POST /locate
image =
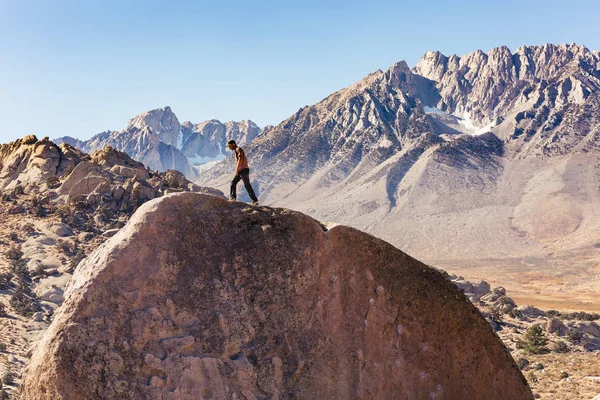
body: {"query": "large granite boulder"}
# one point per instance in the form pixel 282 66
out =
pixel 199 298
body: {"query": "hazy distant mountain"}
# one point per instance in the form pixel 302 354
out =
pixel 157 139
pixel 483 156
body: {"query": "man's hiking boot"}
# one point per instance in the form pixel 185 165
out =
pixel 255 203
pixel 233 199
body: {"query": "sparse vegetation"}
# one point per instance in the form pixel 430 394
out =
pixel 37 207
pixel 75 260
pixel 19 268
pixel 578 315
pixel 23 300
pixel 14 253
pixel 14 236
pixel 18 190
pixel 534 341
pixel 496 314
pixel 2 310
pixel 172 182
pixel 68 247
pixel 573 335
pixel 2 347
pixel 5 280
pixel 560 347
pixel 136 198
pixel 53 182
pixel 29 229
pixel 8 378
pixel 105 212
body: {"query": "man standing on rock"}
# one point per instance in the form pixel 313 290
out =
pixel 242 172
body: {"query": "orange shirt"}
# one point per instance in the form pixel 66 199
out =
pixel 242 161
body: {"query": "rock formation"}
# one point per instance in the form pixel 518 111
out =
pixel 65 174
pixel 201 298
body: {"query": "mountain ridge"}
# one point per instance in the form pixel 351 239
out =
pixel 159 140
pixel 455 165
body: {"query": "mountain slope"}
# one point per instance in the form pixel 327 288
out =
pixel 508 170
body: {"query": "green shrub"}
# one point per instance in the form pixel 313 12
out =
pixel 8 378
pixel 3 347
pixel 534 341
pixel 19 268
pixel 136 198
pixel 29 229
pixel 105 212
pixel 5 278
pixel 39 211
pixel 573 335
pixel 18 190
pixel 14 253
pixel 561 347
pixel 2 310
pixel 79 256
pixel 14 236
pixel 496 314
pixel 22 301
pixel 53 182
pixel 68 247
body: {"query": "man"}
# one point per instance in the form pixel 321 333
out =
pixel 242 172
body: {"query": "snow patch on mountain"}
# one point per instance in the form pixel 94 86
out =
pixel 469 126
pixel 180 139
pixel 385 143
pixel 196 161
pixel 433 110
pixel 204 167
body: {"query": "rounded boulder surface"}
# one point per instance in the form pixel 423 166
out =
pixel 197 297
pixel 59 229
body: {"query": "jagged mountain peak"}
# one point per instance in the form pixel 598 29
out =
pixel 162 121
pixel 486 86
pixel 433 62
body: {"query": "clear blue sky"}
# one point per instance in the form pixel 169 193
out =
pixel 83 66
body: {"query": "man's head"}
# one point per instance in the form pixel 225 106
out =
pixel 231 144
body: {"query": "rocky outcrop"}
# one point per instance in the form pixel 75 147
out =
pixel 30 162
pixel 198 297
pixel 66 175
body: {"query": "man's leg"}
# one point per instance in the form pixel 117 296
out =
pixel 232 190
pixel 245 174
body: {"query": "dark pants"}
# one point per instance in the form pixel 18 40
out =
pixel 243 175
